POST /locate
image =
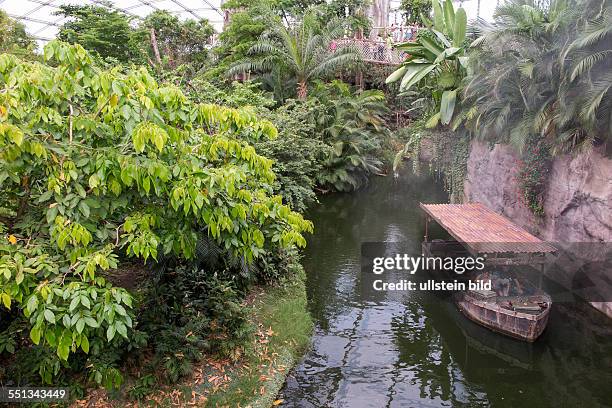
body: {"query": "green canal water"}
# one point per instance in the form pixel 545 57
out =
pixel 417 350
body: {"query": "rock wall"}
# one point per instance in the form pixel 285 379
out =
pixel 577 202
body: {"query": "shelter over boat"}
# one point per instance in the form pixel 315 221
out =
pixel 481 231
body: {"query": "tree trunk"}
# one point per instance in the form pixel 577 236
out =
pixel 302 90
pixel 379 16
pixel 154 45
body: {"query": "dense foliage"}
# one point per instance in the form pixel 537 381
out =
pixel 13 37
pixel 100 29
pixel 337 129
pixel 544 71
pixel 98 166
pixel 436 61
pixel 160 40
pixel 415 10
pixel 536 77
pixel 170 42
pixel 144 194
pixel 352 123
pixel 301 52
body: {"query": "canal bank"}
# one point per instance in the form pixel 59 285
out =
pixel 417 349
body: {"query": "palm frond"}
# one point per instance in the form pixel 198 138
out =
pixel 587 63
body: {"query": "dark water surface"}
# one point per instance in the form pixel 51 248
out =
pixel 418 350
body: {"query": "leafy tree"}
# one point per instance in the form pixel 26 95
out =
pixel 97 166
pixel 248 21
pixel 353 12
pixel 171 42
pixel 299 153
pixel 351 124
pixel 13 37
pixel 437 60
pixel 101 30
pixel 296 168
pixel 303 51
pixel 415 10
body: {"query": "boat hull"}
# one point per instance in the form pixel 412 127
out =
pixel 522 326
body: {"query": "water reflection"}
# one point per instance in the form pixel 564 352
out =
pixel 417 350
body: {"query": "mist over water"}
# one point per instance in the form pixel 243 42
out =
pixel 416 349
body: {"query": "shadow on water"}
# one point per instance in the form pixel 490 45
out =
pixel 418 350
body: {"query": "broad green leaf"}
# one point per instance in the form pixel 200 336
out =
pixel 420 74
pixel 85 344
pixel 80 324
pixel 80 190
pixel 110 332
pixel 338 147
pixel 84 208
pixel 75 302
pixel 460 27
pixel 16 136
pixel 45 196
pixel 449 52
pixel 438 15
pixel 94 181
pixel 449 16
pixel 121 329
pixel 447 106
pixel 32 303
pixel 413 69
pixel 443 39
pixel 63 349
pixel 91 322
pixel 396 75
pixel 120 310
pixel 433 121
pixel 35 334
pixel 431 46
pixel 85 301
pixel 49 316
pixel 158 139
pixel 6 300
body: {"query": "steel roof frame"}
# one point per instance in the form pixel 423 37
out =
pixel 41 4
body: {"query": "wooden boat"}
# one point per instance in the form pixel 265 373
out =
pixel 520 315
pixel 514 306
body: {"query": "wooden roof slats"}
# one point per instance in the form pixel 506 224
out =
pixel 483 230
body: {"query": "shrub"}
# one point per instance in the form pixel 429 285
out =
pixel 533 174
pixel 97 166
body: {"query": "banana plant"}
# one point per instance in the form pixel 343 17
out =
pixel 437 58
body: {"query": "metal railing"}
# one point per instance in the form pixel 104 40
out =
pixel 381 52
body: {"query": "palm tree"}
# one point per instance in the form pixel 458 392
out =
pixel 512 92
pixel 543 70
pixel 305 51
pixel 585 97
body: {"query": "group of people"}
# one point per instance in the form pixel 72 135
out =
pixel 394 34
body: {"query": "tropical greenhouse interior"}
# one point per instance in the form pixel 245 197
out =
pixel 191 192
